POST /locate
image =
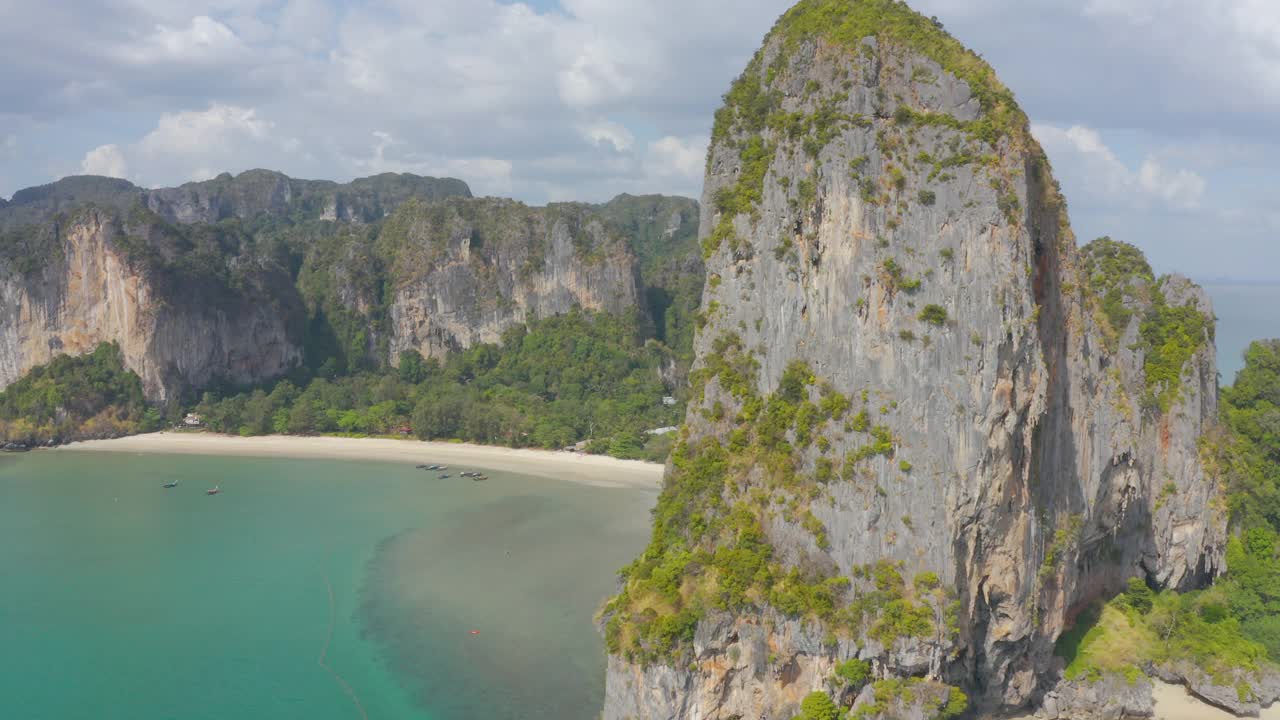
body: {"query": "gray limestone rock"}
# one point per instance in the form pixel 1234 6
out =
pixel 1109 698
pixel 465 271
pixel 1029 469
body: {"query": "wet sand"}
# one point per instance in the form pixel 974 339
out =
pixel 595 470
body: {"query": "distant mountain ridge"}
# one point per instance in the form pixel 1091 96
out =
pixel 250 193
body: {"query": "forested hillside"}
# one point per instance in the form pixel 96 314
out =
pixel 549 384
pixel 280 305
pixel 74 398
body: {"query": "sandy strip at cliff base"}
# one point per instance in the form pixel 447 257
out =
pixel 1173 702
pixel 585 469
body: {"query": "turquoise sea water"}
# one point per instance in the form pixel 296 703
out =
pixel 119 599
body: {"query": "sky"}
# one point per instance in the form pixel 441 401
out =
pixel 1159 116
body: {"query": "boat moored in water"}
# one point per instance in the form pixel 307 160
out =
pixel 214 491
pixel 171 484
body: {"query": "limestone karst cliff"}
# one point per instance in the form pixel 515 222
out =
pixel 194 283
pixel 925 428
pixel 442 277
pixel 213 310
pixel 485 267
pixel 238 280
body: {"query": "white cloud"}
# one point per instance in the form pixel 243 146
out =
pixel 566 99
pixel 307 23
pixel 193 145
pixel 586 98
pixel 486 175
pixel 1178 188
pixel 202 40
pixel 105 160
pixel 196 145
pixel 680 159
pixel 184 131
pixel 593 78
pixel 1080 155
pixel 604 131
pixel 1228 46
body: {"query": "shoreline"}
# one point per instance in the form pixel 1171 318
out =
pixel 593 470
pixel 1175 702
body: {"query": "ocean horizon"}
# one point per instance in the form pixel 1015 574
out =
pixel 1247 311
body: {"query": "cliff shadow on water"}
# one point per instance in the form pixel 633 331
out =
pixel 524 569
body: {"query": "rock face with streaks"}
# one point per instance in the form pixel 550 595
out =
pixel 240 279
pixel 193 282
pixel 928 431
pixel 177 327
pixel 466 270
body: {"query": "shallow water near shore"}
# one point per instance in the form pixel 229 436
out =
pixel 308 588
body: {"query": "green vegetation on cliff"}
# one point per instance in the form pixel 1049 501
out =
pixel 580 376
pixel 1171 336
pixel 709 550
pixel 895 696
pixel 663 233
pixel 89 396
pixel 1120 286
pixel 1111 269
pixel 848 23
pixel 1251 409
pixel 283 245
pixel 892 698
pixel 1231 629
pixel 754 124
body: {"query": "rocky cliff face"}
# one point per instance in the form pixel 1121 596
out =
pixel 663 232
pixel 240 279
pixel 87 260
pixel 466 270
pixel 921 442
pixel 88 290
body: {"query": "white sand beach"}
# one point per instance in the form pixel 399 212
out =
pixel 593 470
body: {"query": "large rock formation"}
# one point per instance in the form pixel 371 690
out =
pixel 88 260
pixel 237 280
pixel 179 324
pixel 924 431
pixel 466 270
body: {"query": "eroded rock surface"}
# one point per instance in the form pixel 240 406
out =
pixel 876 209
